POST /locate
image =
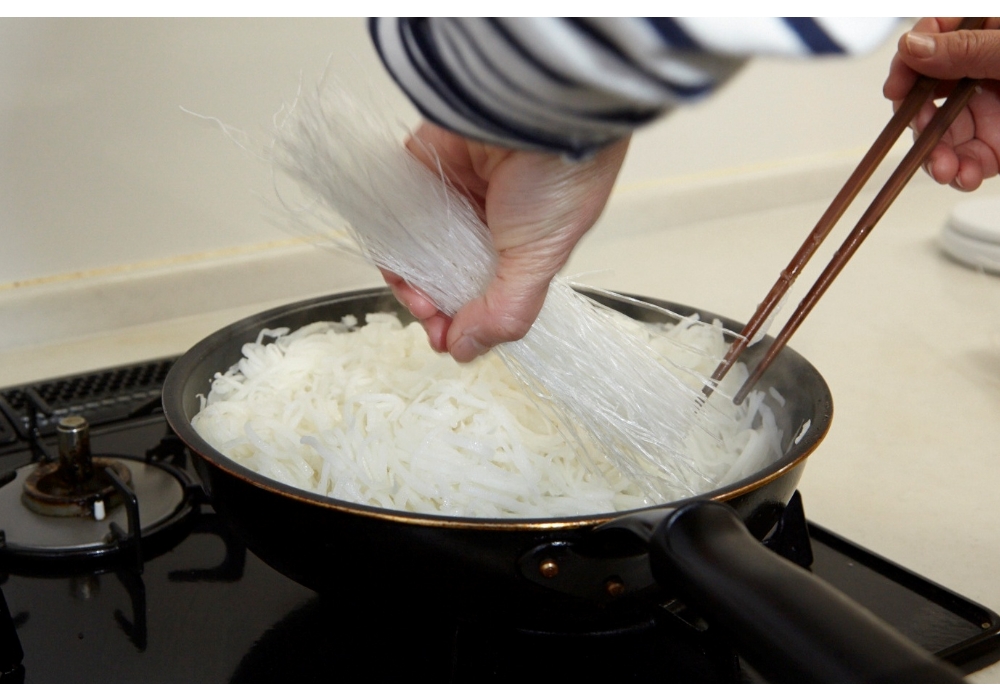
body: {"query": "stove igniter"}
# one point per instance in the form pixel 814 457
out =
pixel 78 484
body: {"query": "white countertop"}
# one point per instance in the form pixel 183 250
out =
pixel 908 341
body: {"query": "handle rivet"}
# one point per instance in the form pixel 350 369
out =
pixel 614 587
pixel 548 568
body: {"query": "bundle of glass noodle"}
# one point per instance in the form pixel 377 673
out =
pixel 592 367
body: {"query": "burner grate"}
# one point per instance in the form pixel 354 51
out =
pixel 7 433
pixel 100 397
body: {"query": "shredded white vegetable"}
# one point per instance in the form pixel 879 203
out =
pixel 371 415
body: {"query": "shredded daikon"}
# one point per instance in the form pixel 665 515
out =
pixel 371 415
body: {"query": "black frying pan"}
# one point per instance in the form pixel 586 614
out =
pixel 588 571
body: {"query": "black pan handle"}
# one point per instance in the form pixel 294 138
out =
pixel 789 624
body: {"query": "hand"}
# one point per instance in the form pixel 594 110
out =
pixel 970 151
pixel 537 207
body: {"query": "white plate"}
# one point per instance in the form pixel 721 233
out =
pixel 972 234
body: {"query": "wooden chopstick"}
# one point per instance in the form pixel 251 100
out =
pixel 894 185
pixel 875 155
pixel 918 95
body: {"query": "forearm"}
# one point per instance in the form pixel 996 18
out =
pixel 575 85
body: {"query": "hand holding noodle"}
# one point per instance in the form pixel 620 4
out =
pixel 536 205
pixel 970 150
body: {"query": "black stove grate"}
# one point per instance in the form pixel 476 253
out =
pixel 100 397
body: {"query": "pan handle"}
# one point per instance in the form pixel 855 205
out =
pixel 789 624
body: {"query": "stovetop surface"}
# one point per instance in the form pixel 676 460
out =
pixel 208 611
pixel 201 608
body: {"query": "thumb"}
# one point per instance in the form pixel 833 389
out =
pixel 506 310
pixel 952 55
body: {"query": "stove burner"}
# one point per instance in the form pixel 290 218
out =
pixel 94 489
pixel 48 492
pixel 159 492
pixel 78 484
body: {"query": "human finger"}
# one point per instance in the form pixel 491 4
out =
pixel 413 299
pixel 977 162
pixel 942 164
pixel 952 55
pixel 901 77
pixel 434 322
pixel 452 156
pixel 436 327
pixel 960 142
pixel 899 82
pixel 965 167
pixel 503 314
pixel 902 72
pixel 969 175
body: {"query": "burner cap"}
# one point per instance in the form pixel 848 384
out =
pixel 76 484
pixel 47 491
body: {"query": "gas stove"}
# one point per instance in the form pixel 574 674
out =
pixel 130 576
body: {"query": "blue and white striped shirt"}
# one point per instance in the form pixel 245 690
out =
pixel 574 85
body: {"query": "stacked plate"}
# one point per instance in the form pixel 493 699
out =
pixel 972 234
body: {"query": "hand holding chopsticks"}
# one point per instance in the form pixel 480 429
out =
pixel 925 143
pixel 970 151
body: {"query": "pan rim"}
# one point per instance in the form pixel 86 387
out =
pixel 180 423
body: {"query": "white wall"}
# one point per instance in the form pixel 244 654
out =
pixel 100 168
pixel 772 113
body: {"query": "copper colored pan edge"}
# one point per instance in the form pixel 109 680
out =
pixel 180 422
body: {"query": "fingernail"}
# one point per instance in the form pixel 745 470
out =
pixel 467 349
pixel 921 45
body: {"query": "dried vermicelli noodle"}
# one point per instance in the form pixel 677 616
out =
pixel 370 414
pixel 591 368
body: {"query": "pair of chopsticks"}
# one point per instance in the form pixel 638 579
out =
pixel 922 90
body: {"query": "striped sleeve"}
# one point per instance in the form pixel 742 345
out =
pixel 574 85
